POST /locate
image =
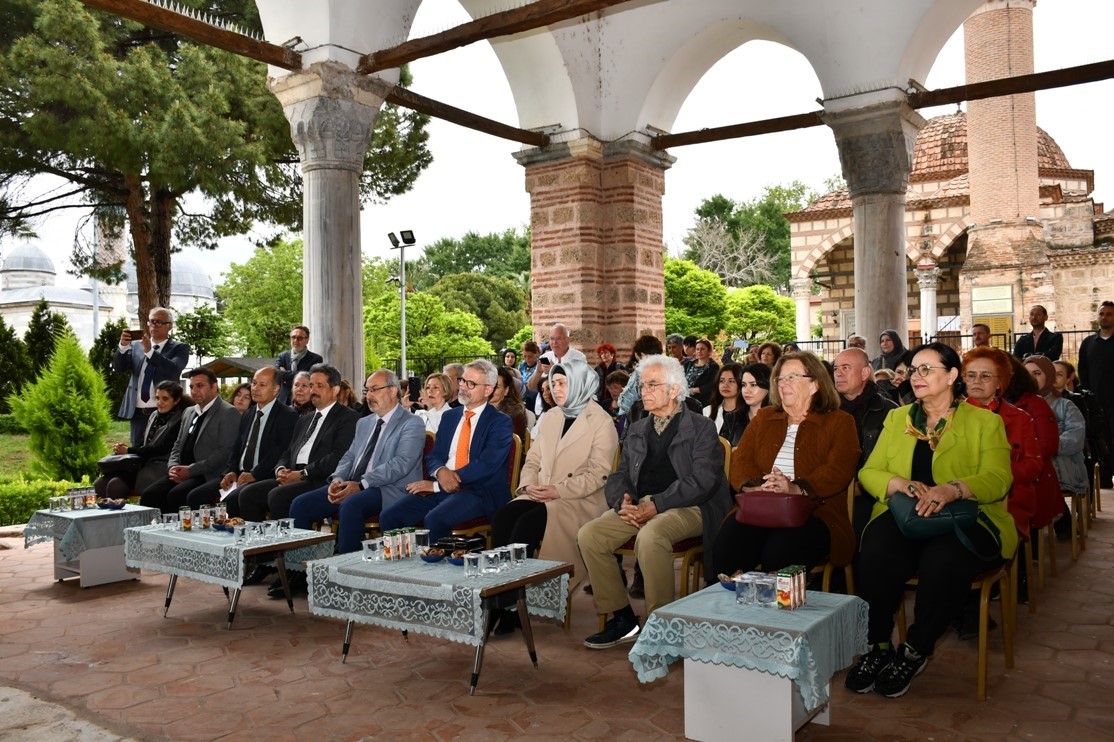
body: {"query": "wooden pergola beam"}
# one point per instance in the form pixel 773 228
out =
pixel 976 91
pixel 167 20
pixel 526 18
pixel 409 99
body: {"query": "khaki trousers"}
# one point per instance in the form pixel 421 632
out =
pixel 653 547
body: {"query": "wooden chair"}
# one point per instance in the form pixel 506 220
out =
pixel 1096 492
pixel 1005 576
pixel 1079 511
pixel 826 568
pixel 481 525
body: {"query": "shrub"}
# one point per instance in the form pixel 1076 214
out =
pixel 10 426
pixel 66 414
pixel 21 497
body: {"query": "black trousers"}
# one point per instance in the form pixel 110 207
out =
pixel 520 521
pixel 168 496
pixel 944 568
pixel 738 547
pixel 258 499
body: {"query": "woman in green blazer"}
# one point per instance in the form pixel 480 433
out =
pixel 937 451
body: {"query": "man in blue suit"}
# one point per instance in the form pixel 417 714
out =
pixel 468 462
pixel 290 362
pixel 152 358
pixel 384 457
pixel 265 432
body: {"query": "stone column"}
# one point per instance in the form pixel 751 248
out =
pixel 876 154
pixel 928 278
pixel 332 111
pixel 595 219
pixel 801 289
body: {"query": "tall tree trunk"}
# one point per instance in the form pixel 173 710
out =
pixel 162 227
pixel 135 203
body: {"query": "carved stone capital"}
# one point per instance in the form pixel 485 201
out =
pixel 875 146
pixel 332 113
pixel 928 277
pixel 800 288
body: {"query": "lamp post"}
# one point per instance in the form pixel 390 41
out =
pixel 407 239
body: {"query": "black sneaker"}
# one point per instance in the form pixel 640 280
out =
pixel 615 631
pixel 895 679
pixel 862 676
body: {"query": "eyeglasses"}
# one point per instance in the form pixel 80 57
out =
pixel 470 385
pixel 298 337
pixel 972 376
pixel 373 389
pixel 790 378
pixel 159 322
pixel 651 386
pixel 924 369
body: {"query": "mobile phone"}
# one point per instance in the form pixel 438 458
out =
pixel 136 334
pixel 414 389
pixel 544 361
pixel 741 344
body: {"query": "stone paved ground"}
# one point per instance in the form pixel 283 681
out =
pixel 106 658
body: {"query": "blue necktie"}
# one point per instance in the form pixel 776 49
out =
pixel 148 377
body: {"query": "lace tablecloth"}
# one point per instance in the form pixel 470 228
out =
pixel 212 556
pixel 807 645
pixel 80 530
pixel 434 599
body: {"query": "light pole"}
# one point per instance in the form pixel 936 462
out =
pixel 407 239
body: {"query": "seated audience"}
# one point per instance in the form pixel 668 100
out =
pixel 892 349
pixel 158 439
pixel 438 388
pixel 241 397
pixel 740 392
pixel 300 393
pixel 768 353
pixel 700 372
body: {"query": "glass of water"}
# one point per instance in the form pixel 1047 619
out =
pixel 285 527
pixel 490 561
pixel 765 591
pixel 744 589
pixel 472 567
pixel 518 554
pixel 373 550
pixel 505 560
pixel 240 533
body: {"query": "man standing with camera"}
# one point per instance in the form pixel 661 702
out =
pixel 151 356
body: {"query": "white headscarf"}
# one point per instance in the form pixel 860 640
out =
pixel 583 384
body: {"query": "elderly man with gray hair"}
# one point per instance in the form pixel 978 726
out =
pixel 669 486
pixel 468 463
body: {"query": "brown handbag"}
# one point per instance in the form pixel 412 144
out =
pixel 773 509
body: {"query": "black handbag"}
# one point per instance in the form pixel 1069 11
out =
pixel 120 463
pixel 955 517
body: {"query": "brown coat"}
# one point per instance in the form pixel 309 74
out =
pixel 824 462
pixel 577 464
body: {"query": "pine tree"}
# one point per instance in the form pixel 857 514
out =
pixel 43 333
pixel 15 366
pixel 101 355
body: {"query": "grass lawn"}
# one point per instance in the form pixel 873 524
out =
pixel 16 456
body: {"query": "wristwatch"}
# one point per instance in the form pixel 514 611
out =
pixel 304 475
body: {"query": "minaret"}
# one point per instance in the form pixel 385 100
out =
pixel 1006 247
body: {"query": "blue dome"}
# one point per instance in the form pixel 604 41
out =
pixel 27 257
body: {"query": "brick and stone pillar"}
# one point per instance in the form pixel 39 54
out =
pixel 595 220
pixel 1006 246
pixel 332 111
pixel 801 289
pixel 928 278
pixel 876 154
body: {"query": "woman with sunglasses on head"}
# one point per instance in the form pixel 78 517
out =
pixel 936 451
pixel 802 444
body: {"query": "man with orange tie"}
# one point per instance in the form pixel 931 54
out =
pixel 468 463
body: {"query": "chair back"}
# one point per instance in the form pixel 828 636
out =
pixel 430 438
pixel 726 457
pixel 514 464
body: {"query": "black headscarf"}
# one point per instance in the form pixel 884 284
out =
pixel 889 360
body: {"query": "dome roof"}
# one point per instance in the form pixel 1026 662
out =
pixel 941 149
pixel 28 257
pixel 187 278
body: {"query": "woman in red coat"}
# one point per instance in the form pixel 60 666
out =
pixel 1022 391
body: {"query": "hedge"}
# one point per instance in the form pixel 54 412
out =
pixel 21 497
pixel 10 426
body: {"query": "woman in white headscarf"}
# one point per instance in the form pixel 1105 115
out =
pixel 561 486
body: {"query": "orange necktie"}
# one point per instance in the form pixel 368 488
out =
pixel 462 443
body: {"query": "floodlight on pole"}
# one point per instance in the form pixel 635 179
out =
pixel 407 239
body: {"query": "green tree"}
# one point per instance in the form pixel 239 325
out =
pixel 101 355
pixel 261 299
pixel 760 221
pixel 136 119
pixel 432 331
pixel 205 330
pixel 520 337
pixel 757 314
pixel 496 301
pixel 695 299
pixel 506 255
pixel 15 366
pixel 66 414
pixel 44 330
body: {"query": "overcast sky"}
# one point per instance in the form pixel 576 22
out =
pixel 475 184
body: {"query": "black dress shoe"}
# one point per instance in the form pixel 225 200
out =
pixel 506 622
pixel 298 586
pixel 259 574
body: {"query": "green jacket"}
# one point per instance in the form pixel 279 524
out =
pixel 974 450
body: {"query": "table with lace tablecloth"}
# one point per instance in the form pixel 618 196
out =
pixel 87 543
pixel 215 557
pixel 778 662
pixel 435 599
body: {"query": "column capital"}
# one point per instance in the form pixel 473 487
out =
pixel 592 148
pixel 928 276
pixel 332 112
pixel 875 146
pixel 800 288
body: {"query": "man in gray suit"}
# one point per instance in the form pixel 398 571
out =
pixel 152 358
pixel 208 435
pixel 385 456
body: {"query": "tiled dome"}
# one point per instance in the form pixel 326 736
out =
pixel 942 148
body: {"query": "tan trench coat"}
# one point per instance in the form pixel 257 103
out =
pixel 578 465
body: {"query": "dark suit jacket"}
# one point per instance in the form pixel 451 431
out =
pixel 168 360
pixel 215 440
pixel 274 439
pixel 287 372
pixel 1050 345
pixel 333 439
pixel 485 476
pixel 398 455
